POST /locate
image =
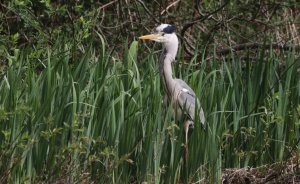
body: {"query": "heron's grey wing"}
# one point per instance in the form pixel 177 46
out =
pixel 183 84
pixel 187 102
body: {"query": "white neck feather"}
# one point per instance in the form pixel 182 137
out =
pixel 171 45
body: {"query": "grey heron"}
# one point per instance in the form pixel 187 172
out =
pixel 178 93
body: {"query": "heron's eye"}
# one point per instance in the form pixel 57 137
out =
pixel 163 34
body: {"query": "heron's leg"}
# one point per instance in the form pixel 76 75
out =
pixel 186 132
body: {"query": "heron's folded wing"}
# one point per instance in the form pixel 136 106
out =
pixel 184 85
pixel 187 102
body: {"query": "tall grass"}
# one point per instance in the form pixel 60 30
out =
pixel 99 117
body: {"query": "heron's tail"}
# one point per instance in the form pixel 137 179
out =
pixel 202 119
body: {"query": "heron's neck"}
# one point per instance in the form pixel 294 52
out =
pixel 165 70
pixel 171 48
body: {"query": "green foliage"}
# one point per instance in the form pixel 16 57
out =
pixel 99 117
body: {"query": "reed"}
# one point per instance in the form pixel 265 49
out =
pixel 99 117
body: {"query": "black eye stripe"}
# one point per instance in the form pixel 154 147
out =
pixel 169 29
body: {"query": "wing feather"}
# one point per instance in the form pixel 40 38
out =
pixel 187 102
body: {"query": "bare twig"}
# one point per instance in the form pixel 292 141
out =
pixel 108 4
pixel 148 11
pixel 168 7
pixel 255 46
pixel 201 18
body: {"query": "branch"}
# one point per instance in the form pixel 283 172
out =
pixel 255 46
pixel 107 4
pixel 200 18
pixel 148 11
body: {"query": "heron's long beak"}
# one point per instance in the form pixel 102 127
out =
pixel 150 37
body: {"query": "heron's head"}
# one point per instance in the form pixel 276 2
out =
pixel 165 33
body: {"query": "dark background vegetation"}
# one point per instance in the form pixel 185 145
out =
pixel 220 26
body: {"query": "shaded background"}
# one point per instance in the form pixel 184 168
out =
pixel 217 26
